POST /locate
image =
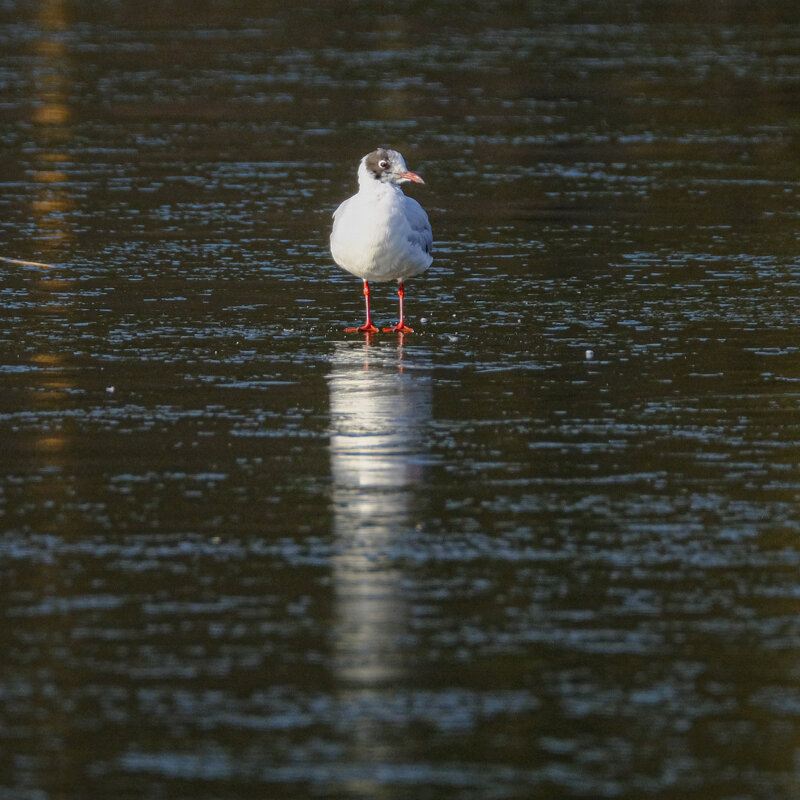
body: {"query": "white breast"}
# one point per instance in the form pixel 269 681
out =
pixel 382 235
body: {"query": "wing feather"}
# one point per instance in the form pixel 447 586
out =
pixel 420 233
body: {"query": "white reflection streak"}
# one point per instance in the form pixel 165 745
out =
pixel 380 407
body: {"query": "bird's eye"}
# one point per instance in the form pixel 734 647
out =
pixel 384 165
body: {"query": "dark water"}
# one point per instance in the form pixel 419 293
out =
pixel 545 547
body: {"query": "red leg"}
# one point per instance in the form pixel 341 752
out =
pixel 367 327
pixel 401 326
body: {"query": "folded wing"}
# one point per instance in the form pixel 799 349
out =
pixel 420 234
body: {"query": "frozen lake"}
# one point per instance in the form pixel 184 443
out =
pixel 546 546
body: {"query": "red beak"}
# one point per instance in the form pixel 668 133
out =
pixel 412 176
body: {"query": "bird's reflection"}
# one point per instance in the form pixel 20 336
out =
pixel 380 399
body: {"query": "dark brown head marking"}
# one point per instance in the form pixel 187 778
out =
pixel 378 162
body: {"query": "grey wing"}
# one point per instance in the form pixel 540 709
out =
pixel 420 233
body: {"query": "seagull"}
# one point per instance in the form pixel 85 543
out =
pixel 380 234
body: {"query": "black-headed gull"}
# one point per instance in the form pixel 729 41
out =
pixel 380 234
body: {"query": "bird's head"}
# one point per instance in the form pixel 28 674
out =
pixel 386 166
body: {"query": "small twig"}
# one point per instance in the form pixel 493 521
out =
pixel 21 262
